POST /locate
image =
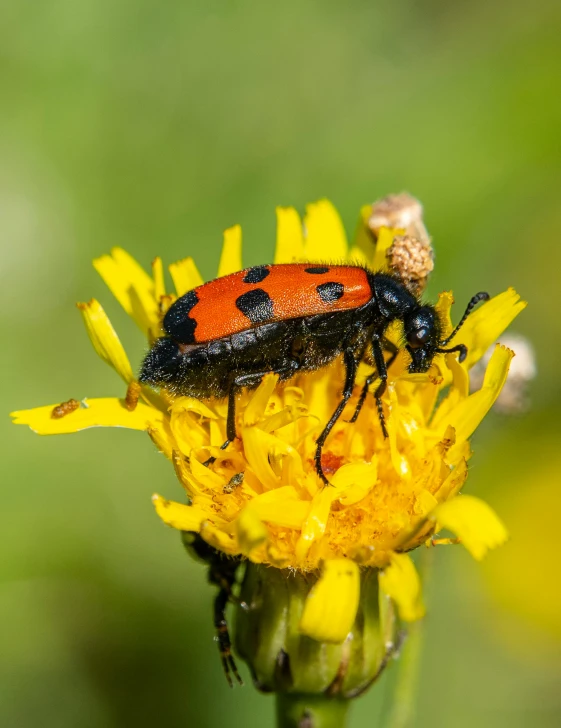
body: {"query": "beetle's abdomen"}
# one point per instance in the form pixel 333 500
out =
pixel 205 370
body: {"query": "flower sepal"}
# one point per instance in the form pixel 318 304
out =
pixel 269 635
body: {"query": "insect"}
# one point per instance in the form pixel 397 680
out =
pixel 225 335
pixel 65 408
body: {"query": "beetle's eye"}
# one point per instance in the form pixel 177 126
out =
pixel 418 338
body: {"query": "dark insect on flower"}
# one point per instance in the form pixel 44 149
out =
pixel 225 335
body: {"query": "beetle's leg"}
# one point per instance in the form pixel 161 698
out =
pixel 248 380
pixel 223 636
pixel 390 347
pixel 387 346
pixel 231 416
pixel 230 422
pixel 351 367
pixel 221 573
pixel 383 374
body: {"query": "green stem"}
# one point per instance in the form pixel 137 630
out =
pixel 310 711
pixel 402 711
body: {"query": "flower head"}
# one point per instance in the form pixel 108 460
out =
pixel 261 498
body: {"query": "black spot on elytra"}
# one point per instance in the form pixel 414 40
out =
pixel 256 305
pixel 318 270
pixel 257 274
pixel 331 291
pixel 177 323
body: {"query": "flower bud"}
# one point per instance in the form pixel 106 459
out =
pixel 281 658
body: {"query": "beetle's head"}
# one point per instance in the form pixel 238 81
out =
pixel 422 336
pixel 422 330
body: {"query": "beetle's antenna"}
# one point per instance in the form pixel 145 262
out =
pixel 462 348
pixel 482 296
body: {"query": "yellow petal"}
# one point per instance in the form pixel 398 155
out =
pixel 178 515
pixel 458 392
pixel 454 482
pixel 231 258
pixel 219 539
pixel 364 244
pixel 261 449
pixel 444 311
pixel 331 606
pixel 189 404
pixel 354 481
pixel 316 522
pixel 250 530
pixel 163 439
pixel 401 582
pixel 104 412
pixel 205 476
pixel 185 275
pixel 325 235
pixel 474 521
pixel 281 507
pixel 104 339
pixel 131 286
pixel 487 323
pixel 468 414
pixel 256 406
pixel 158 275
pixel 290 236
pixel 383 244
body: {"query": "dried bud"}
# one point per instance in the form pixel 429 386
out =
pixel 399 211
pixel 513 398
pixel 413 260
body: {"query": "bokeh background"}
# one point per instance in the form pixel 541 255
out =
pixel 156 125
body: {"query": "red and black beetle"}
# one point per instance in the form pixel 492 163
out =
pixel 227 334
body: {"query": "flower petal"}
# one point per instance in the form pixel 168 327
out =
pixel 206 477
pixel 163 439
pixel 281 507
pixel 466 416
pixel 383 244
pixel 316 522
pixel 261 448
pixel 400 580
pixel 290 236
pixel 104 338
pixel 178 515
pixel 185 275
pixel 158 276
pixel 131 286
pixel 474 521
pixel 484 325
pixel 363 247
pixel 325 235
pixel 103 412
pixel 250 530
pixel 354 481
pixel 444 311
pixel 255 408
pixel 231 258
pixel 331 606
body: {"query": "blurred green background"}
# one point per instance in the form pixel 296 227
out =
pixel 156 125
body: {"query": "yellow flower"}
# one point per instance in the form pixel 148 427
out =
pixel 388 496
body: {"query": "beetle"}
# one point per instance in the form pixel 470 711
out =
pixel 225 335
